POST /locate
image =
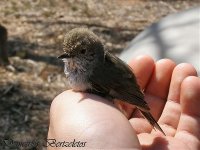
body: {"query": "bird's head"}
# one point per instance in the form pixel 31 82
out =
pixel 82 49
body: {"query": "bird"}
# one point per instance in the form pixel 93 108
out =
pixel 89 67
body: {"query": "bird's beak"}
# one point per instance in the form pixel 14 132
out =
pixel 65 55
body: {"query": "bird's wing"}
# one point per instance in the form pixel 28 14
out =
pixel 115 78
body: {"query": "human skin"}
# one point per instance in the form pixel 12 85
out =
pixel 172 92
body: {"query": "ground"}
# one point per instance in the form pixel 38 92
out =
pixel 35 34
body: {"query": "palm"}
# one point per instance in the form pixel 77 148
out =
pixel 177 137
pixel 170 102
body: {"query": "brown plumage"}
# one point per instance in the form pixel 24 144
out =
pixel 100 72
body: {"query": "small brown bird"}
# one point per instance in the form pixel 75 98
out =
pixel 89 68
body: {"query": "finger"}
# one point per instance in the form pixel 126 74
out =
pixel 180 73
pixel 158 87
pixel 155 94
pixel 143 68
pixel 89 118
pixel 189 125
pixel 125 108
pixel 171 113
pixel 156 142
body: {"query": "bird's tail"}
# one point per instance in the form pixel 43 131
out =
pixel 152 121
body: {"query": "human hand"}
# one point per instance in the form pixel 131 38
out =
pixel 172 93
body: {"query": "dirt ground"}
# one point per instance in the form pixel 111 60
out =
pixel 35 34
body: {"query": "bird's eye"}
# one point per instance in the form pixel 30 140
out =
pixel 83 51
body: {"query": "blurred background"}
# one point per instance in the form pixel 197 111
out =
pixel 31 35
